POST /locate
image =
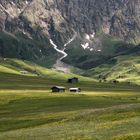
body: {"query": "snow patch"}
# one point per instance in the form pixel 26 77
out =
pixel 87 37
pixel 70 40
pixel 92 35
pixel 59 64
pixel 12 3
pixel 26 2
pixel 99 50
pixel 91 49
pixel 89 42
pixel 60 51
pixel 85 46
pixel 63 50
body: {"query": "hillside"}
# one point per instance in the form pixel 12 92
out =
pixel 69 69
pixel 123 68
pixel 29 110
pixel 29 69
pixel 85 30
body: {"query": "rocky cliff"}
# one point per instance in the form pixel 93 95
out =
pixel 29 24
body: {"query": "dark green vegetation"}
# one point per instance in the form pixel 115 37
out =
pixel 29 111
pixel 39 50
pixel 123 68
pixel 86 59
pixel 114 52
pixel 20 46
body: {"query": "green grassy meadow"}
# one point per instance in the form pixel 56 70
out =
pixel 125 68
pixel 30 111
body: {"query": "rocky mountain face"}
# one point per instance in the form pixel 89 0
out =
pixel 27 26
pixel 120 18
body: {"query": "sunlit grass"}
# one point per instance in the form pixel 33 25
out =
pixel 125 69
pixel 102 111
pixel 40 114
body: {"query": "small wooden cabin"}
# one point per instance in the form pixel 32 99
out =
pixel 58 89
pixel 115 81
pixel 24 72
pixel 75 89
pixel 73 80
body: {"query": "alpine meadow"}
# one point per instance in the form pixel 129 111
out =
pixel 69 69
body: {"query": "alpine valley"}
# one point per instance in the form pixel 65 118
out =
pixel 69 69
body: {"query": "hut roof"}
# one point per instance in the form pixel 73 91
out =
pixel 77 88
pixel 73 78
pixel 59 87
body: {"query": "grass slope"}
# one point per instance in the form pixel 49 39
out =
pixel 41 115
pixel 16 66
pixel 124 68
pixel 29 111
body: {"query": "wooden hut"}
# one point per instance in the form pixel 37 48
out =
pixel 73 80
pixel 75 89
pixel 58 89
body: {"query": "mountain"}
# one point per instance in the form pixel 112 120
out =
pixel 82 33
